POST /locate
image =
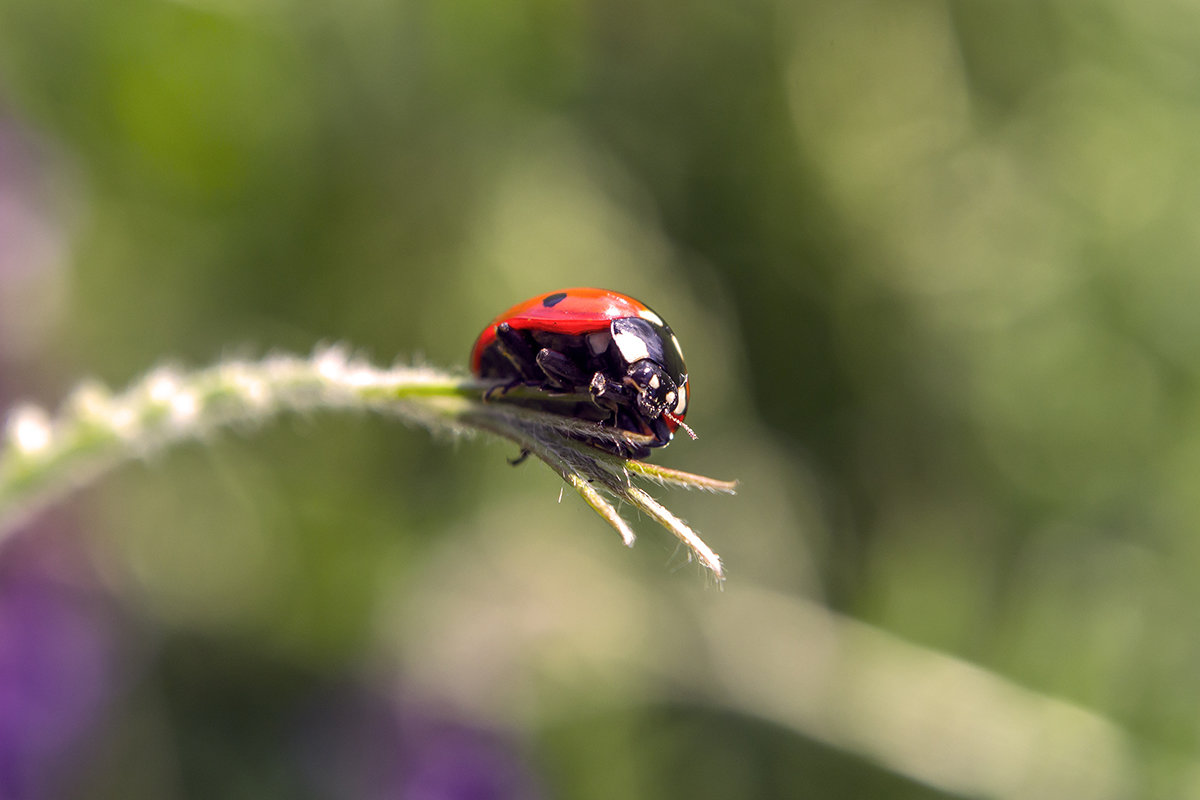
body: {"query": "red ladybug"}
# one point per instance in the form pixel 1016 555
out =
pixel 595 342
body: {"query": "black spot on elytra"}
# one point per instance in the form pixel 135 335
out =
pixel 554 299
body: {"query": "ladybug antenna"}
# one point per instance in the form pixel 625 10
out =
pixel 681 424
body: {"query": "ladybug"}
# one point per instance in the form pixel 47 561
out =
pixel 608 347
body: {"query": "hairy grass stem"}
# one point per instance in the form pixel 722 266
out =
pixel 44 456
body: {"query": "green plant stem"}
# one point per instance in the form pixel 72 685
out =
pixel 44 457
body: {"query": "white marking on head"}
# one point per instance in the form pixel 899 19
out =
pixel 654 382
pixel 631 347
pixel 681 404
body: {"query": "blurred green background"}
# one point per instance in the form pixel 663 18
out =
pixel 935 267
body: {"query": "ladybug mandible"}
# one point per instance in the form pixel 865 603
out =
pixel 594 342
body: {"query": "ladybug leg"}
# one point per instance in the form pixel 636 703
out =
pixel 630 422
pixel 613 397
pixel 516 350
pixel 607 392
pixel 560 369
pixel 660 432
pixel 637 452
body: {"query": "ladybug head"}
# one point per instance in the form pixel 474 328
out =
pixel 658 394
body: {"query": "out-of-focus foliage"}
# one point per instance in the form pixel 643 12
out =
pixel 934 266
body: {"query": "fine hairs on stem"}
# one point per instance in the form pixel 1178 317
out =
pixel 44 456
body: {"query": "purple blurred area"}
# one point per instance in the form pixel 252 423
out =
pixel 358 744
pixel 450 762
pixel 57 662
